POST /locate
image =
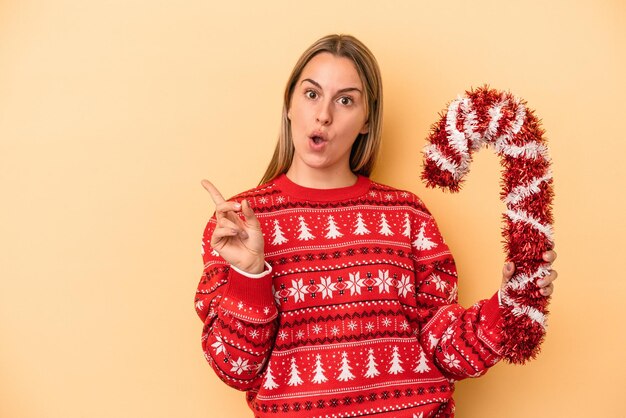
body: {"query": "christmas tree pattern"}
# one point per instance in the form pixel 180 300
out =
pixel 372 371
pixel 407 226
pixel 294 374
pixel 269 383
pixel 332 230
pixel 279 238
pixel 422 242
pixel 384 226
pixel 305 232
pixel 396 363
pixel 345 368
pixel 319 371
pixel 359 226
pixel 422 364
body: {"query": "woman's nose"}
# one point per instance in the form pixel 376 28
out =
pixel 324 114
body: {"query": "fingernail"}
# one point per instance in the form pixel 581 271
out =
pixel 237 205
pixel 509 266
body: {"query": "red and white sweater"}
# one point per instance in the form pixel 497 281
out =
pixel 356 315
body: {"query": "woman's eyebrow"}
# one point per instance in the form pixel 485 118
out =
pixel 316 84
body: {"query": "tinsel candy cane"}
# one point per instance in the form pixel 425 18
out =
pixel 498 119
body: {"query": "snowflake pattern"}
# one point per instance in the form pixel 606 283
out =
pixel 254 333
pixel 218 345
pixel 355 283
pixel 334 331
pixel 298 290
pixel 386 322
pixel 317 328
pixel 383 281
pixel 329 287
pixel 283 335
pixel 451 361
pixel 326 287
pixel 369 326
pixel 239 366
pixel 352 325
pixel 404 285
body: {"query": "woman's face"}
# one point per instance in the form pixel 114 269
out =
pixel 327 113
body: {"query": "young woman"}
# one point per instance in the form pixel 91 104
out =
pixel 326 294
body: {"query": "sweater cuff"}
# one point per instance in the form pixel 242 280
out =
pixel 268 270
pixel 250 298
pixel 490 331
pixel 490 311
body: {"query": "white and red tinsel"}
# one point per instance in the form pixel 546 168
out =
pixel 498 119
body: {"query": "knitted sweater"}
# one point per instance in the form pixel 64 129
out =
pixel 357 312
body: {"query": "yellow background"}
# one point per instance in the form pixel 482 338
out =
pixel 112 111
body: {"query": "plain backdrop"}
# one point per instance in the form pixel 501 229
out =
pixel 111 112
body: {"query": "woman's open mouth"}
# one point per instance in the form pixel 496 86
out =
pixel 317 139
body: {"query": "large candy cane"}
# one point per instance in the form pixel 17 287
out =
pixel 490 117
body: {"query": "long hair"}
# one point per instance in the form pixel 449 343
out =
pixel 365 149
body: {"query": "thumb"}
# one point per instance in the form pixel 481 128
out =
pixel 507 271
pixel 248 213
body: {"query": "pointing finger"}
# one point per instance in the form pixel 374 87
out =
pixel 215 194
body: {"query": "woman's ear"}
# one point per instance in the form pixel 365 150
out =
pixel 365 129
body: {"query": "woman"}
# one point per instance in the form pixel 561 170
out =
pixel 327 294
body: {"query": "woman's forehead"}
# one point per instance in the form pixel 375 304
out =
pixel 331 71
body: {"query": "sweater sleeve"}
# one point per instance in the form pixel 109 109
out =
pixel 462 342
pixel 239 316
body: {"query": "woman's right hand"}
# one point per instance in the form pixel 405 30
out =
pixel 239 242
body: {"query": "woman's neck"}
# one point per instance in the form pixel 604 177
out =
pixel 321 179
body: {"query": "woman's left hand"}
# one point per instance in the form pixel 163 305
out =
pixel 546 287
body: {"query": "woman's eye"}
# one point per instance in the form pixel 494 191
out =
pixel 311 94
pixel 345 101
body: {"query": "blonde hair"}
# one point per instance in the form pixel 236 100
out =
pixel 365 149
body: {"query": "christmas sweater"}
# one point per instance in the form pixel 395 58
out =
pixel 357 312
